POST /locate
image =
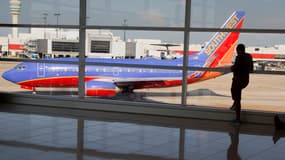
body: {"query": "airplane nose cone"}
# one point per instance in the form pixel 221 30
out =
pixel 8 75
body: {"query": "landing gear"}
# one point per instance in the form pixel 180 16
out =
pixel 128 92
pixel 128 89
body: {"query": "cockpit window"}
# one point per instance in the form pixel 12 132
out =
pixel 20 67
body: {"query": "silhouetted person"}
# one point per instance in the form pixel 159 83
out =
pixel 232 152
pixel 278 123
pixel 277 135
pixel 242 67
pixel 279 129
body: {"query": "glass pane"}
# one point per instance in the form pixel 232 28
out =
pixel 133 83
pixel 40 12
pixel 136 12
pixel 216 92
pixel 268 14
pixel 145 48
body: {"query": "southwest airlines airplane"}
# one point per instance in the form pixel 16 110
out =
pixel 108 80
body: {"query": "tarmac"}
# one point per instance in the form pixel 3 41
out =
pixel 265 92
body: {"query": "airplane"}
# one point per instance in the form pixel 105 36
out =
pixel 109 80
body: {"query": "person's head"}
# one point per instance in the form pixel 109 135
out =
pixel 240 48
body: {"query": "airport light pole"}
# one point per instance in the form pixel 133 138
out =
pixel 45 15
pixel 125 24
pixel 57 18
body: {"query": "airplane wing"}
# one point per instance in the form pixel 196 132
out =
pixel 139 83
pixel 123 80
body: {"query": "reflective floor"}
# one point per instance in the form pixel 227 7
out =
pixel 32 137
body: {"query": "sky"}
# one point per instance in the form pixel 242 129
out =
pixel 265 14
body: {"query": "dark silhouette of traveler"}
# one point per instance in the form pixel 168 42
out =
pixel 242 67
pixel 232 152
pixel 279 129
pixel 278 134
pixel 278 123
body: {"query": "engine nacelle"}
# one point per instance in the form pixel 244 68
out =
pixel 100 88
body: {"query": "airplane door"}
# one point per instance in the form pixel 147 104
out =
pixel 41 70
pixel 115 71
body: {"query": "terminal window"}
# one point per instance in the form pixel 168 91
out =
pixel 100 46
pixel 65 46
